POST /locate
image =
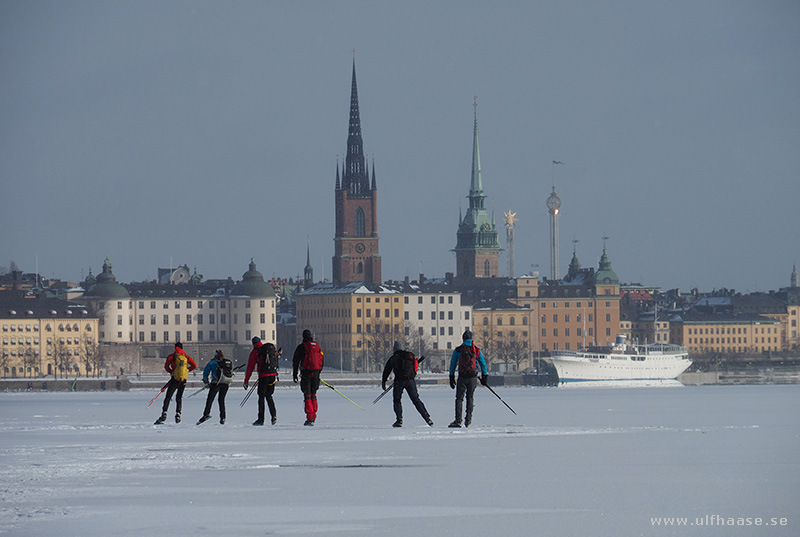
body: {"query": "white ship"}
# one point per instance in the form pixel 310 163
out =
pixel 621 361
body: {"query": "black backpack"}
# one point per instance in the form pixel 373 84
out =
pixel 405 365
pixel 468 361
pixel 225 368
pixel 267 359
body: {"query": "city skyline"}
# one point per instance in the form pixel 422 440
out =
pixel 188 133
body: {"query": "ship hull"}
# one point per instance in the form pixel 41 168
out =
pixel 579 367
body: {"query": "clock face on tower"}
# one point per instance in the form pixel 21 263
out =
pixel 360 248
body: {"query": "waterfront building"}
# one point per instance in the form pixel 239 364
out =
pixel 42 336
pixel 355 325
pixel 144 320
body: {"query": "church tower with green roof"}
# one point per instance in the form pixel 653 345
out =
pixel 477 250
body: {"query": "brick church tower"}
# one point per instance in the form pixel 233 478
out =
pixel 356 257
pixel 477 250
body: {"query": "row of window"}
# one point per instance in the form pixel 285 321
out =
pixel 711 340
pixel 433 299
pixel 734 330
pixel 209 304
pixel 48 327
pixel 578 318
pixel 512 321
pixel 589 304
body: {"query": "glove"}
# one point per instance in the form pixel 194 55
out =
pixel 294 379
pixel 453 381
pixel 383 386
pixel 485 380
pixel 205 381
pixel 245 385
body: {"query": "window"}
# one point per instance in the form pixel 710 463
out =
pixel 210 318
pixel 166 336
pixel 166 321
pixel 189 319
pixel 247 319
pixel 152 319
pixel 177 319
pixel 199 318
pixel 188 304
pixel 152 304
pixel 360 223
pixel 222 320
pixel 263 318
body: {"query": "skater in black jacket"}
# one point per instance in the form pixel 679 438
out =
pixel 405 366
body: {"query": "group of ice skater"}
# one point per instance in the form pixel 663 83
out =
pixel 307 363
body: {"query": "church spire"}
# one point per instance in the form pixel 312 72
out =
pixel 355 178
pixel 308 271
pixel 476 185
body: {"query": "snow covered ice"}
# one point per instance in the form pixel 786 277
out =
pixel 573 461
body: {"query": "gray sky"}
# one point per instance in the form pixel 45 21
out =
pixel 205 133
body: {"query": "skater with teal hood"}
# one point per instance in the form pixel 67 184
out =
pixel 470 362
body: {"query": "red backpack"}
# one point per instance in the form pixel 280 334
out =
pixel 313 358
pixel 467 360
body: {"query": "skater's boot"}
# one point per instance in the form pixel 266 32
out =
pixel 467 421
pixel 309 423
pixel 162 419
pixel 178 417
pixel 456 423
pixel 398 423
pixel 429 421
pixel 204 418
pixel 274 420
pixel 259 421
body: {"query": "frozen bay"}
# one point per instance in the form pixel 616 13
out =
pixel 573 461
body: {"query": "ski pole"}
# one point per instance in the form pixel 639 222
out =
pixel 340 393
pixel 392 386
pixel 153 400
pixel 387 390
pixel 501 399
pixel 249 393
pixel 198 391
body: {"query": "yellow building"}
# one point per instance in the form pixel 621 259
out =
pixel 355 326
pixel 47 336
pixel 703 333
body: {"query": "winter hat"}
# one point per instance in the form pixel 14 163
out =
pixel 307 335
pixel 218 354
pixel 466 335
pixel 256 340
pixel 178 345
pixel 397 346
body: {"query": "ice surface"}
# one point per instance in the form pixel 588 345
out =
pixel 578 461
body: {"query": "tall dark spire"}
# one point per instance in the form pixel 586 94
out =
pixel 356 176
pixel 308 271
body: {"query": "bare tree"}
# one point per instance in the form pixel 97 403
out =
pixel 417 341
pixel 62 361
pixel 5 361
pixel 29 359
pixel 92 356
pixel 379 339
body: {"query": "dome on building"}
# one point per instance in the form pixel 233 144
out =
pixel 106 285
pixel 253 284
pixel 606 275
